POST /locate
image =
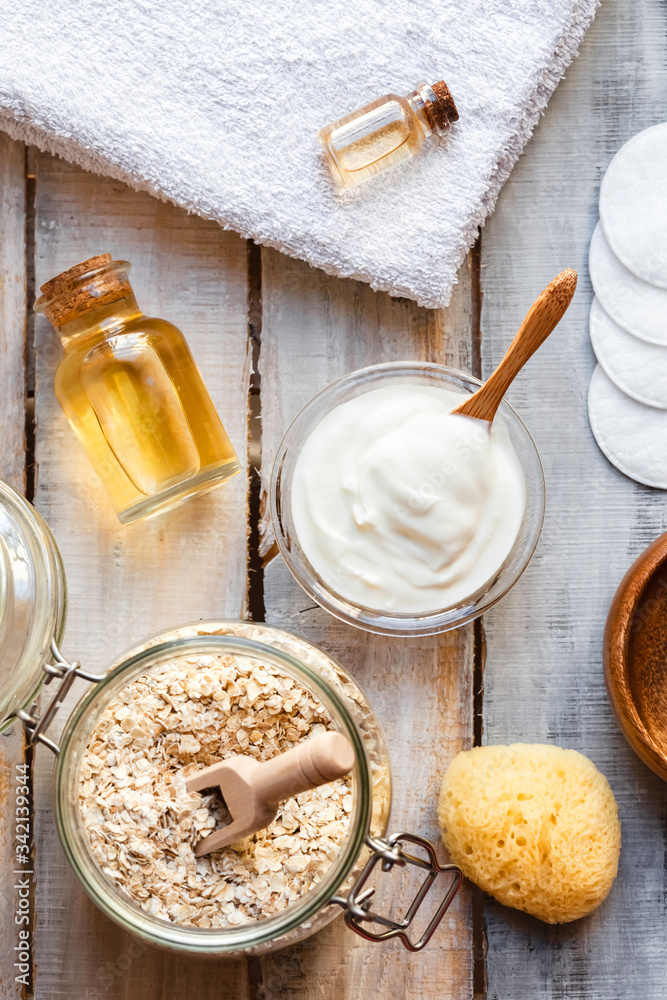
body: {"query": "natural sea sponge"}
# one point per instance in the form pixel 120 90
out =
pixel 533 825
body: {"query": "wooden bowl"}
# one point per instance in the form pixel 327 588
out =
pixel 635 656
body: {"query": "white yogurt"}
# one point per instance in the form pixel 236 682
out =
pixel 403 507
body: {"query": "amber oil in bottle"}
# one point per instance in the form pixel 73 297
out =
pixel 132 392
pixel 385 133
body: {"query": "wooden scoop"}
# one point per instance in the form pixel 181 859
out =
pixel 252 791
pixel 543 316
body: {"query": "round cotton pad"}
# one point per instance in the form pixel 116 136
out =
pixel 633 205
pixel 632 435
pixel 638 368
pixel 635 305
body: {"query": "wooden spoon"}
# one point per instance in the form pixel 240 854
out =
pixel 543 316
pixel 252 790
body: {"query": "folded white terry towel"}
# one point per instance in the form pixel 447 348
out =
pixel 216 104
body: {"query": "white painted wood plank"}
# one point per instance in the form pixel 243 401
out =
pixel 316 328
pixel 543 679
pixel 12 311
pixel 126 582
pixel 12 469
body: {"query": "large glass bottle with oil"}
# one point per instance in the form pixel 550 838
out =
pixel 132 392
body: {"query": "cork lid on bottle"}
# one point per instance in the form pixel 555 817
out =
pixel 92 283
pixel 441 112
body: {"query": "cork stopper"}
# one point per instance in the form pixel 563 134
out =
pixel 442 112
pixel 77 290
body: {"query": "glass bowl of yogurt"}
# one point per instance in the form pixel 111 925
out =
pixel 398 516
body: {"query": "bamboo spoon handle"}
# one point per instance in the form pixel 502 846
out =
pixel 543 316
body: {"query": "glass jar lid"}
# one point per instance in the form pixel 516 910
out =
pixel 32 601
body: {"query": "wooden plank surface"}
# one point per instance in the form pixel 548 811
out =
pixel 12 310
pixel 127 582
pixel 543 678
pixel 314 329
pixel 12 469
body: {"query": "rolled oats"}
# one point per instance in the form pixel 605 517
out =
pixel 143 825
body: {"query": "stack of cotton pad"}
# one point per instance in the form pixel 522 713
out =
pixel 627 400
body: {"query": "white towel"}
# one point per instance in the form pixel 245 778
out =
pixel 216 104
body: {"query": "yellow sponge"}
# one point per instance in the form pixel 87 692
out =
pixel 533 825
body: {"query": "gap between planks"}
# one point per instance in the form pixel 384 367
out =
pixel 256 610
pixel 479 938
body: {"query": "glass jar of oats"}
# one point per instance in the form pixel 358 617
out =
pixel 187 698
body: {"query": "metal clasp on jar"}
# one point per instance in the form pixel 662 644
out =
pixel 66 672
pixel 389 853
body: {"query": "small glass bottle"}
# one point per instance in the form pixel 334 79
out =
pixel 386 132
pixel 133 393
